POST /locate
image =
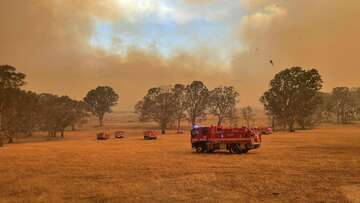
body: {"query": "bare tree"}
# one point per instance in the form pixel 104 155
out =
pixel 222 102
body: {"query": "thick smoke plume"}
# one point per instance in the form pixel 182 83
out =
pixel 314 34
pixel 49 41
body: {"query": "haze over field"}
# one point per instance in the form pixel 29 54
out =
pixel 69 47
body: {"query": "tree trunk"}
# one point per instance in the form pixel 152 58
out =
pixel 343 117
pixel 1 140
pixel 73 127
pixel 0 123
pixel 11 139
pixel 284 124
pixel 291 126
pixel 273 123
pixel 1 136
pixel 163 128
pixel 1 126
pixel 193 120
pixel 219 121
pixel 62 134
pixel 193 123
pixel 1 110
pixel 101 119
pixel 302 124
pixel 178 125
pixel 247 123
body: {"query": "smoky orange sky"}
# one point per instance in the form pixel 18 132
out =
pixel 218 42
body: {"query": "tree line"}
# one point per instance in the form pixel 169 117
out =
pixel 341 105
pixel 293 100
pixel 22 112
pixel 168 105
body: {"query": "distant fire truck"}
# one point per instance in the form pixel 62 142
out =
pixel 235 140
pixel 119 134
pixel 150 135
pixel 103 136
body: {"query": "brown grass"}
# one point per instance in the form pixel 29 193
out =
pixel 321 165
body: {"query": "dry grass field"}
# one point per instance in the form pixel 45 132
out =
pixel 321 165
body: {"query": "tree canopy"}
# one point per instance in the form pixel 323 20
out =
pixel 100 100
pixel 197 95
pixel 222 101
pixel 157 105
pixel 180 103
pixel 22 112
pixel 9 80
pixel 292 95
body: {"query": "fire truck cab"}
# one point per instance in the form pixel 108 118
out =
pixel 235 140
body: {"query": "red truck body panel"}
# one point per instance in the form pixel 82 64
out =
pixel 236 140
pixel 150 135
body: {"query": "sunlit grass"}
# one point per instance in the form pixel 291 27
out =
pixel 309 166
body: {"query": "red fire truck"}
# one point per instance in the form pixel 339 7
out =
pixel 235 140
pixel 119 134
pixel 103 136
pixel 150 135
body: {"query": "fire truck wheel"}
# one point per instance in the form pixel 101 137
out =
pixel 238 149
pixel 199 149
pixel 233 149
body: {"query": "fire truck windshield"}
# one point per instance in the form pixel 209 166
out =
pixel 195 132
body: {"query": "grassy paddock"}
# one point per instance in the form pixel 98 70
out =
pixel 307 166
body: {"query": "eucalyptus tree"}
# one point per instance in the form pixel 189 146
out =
pixel 9 79
pixel 157 105
pixel 100 100
pixel 222 100
pixel 197 96
pixel 292 95
pixel 180 103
